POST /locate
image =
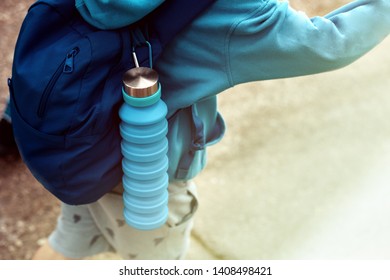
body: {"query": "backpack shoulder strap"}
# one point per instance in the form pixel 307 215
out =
pixel 64 7
pixel 173 16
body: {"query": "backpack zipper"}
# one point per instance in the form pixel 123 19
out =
pixel 66 67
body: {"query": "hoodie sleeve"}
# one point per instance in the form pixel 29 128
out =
pixel 238 41
pixel 111 14
pixel 278 42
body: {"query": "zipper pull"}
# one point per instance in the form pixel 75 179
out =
pixel 69 61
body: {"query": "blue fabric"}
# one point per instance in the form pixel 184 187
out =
pixel 66 91
pixel 233 42
pixel 63 102
pixel 239 41
pixel 126 12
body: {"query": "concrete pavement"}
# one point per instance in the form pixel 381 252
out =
pixel 303 171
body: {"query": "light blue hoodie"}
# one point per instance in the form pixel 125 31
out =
pixel 239 41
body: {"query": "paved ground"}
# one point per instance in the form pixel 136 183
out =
pixel 301 173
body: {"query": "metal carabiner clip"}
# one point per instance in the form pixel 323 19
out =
pixel 150 55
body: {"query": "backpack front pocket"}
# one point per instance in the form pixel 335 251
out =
pixel 66 67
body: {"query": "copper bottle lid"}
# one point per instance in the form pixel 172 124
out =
pixel 140 82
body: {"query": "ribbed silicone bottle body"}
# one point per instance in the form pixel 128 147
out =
pixel 144 147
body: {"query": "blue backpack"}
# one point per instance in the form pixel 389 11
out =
pixel 66 92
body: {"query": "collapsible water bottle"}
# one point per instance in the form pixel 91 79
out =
pixel 144 147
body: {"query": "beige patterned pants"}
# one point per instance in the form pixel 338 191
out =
pixel 87 230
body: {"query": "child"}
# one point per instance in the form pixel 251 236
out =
pixel 233 42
